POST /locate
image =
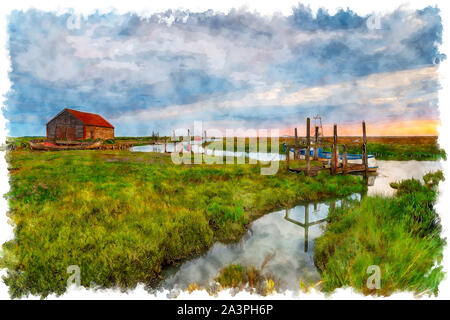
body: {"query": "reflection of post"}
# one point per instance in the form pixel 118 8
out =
pixel 306 226
pixel 333 206
pixel 363 194
pixel 308 143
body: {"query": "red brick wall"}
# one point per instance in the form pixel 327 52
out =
pixel 99 132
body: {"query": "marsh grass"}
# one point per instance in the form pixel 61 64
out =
pixel 240 277
pixel 392 151
pixel 401 235
pixel 123 216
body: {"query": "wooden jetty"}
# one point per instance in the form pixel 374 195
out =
pixel 333 165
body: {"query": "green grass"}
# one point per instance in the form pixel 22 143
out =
pixel 21 142
pixel 238 276
pixel 400 234
pixel 123 216
pixel 402 151
pixel 382 151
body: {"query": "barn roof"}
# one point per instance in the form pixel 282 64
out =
pixel 90 119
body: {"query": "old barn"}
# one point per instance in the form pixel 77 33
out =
pixel 76 125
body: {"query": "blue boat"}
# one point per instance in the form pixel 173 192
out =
pixel 351 158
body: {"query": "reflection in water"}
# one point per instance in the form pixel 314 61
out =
pixel 307 223
pixel 394 171
pixel 197 148
pixel 277 235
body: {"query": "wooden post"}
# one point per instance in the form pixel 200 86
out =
pixel 165 145
pixel 308 143
pixel 287 158
pixel 344 160
pixel 316 143
pixel 365 157
pixel 295 143
pixel 334 155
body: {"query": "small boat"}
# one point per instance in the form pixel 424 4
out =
pixel 325 156
pixel 351 158
pixel 47 145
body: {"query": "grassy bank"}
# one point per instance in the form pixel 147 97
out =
pixel 382 151
pixel 405 152
pixel 401 152
pixel 122 216
pixel 401 235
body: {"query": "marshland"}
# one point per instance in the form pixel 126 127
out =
pixel 129 217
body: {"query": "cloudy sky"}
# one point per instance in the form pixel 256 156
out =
pixel 230 70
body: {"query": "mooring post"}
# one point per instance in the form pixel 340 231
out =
pixel 295 144
pixel 344 159
pixel 165 145
pixel 334 155
pixel 365 156
pixel 295 137
pixel 308 143
pixel 287 158
pixel 316 143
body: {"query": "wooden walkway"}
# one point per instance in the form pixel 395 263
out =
pixel 351 168
pixel 335 166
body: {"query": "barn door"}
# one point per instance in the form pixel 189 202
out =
pixel 60 133
pixel 70 133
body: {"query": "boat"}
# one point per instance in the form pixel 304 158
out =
pixel 351 158
pixel 325 156
pixel 48 145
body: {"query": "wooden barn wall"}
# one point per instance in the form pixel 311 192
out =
pixel 65 124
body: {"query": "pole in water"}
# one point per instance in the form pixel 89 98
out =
pixel 308 142
pixel 316 143
pixel 334 155
pixel 365 156
pixel 287 158
pixel 344 160
pixel 295 143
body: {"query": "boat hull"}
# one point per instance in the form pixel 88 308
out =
pixel 43 145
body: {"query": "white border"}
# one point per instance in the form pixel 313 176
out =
pixel 145 8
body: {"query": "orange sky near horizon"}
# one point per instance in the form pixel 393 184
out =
pixel 425 127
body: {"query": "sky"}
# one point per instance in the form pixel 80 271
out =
pixel 234 70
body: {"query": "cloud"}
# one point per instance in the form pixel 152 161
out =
pixel 166 69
